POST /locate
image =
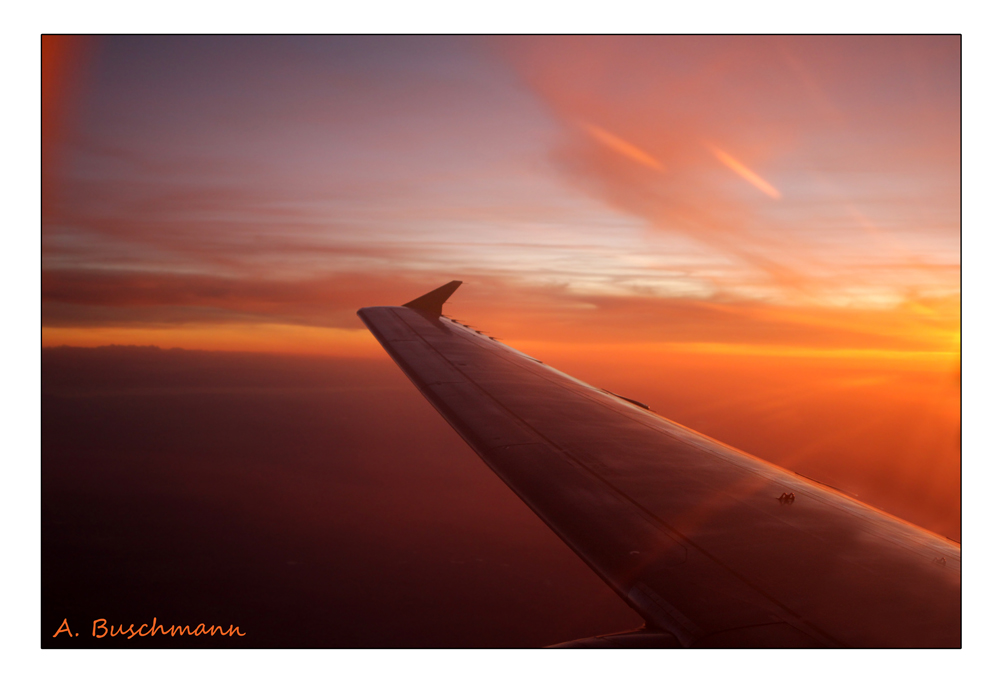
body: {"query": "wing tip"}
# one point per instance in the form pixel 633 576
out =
pixel 432 302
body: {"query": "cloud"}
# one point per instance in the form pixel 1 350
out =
pixel 743 172
pixel 622 147
pixel 114 297
pixel 809 116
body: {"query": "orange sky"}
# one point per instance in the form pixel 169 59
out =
pixel 774 220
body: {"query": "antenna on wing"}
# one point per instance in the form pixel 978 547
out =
pixel 431 302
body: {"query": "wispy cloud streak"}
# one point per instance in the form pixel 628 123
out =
pixel 745 173
pixel 622 147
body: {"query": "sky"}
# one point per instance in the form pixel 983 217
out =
pixel 253 192
pixel 758 236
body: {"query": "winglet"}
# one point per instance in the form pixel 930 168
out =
pixel 431 302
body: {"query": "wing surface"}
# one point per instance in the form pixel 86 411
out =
pixel 694 535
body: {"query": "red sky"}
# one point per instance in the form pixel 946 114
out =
pixel 758 236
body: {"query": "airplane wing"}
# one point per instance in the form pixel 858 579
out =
pixel 711 546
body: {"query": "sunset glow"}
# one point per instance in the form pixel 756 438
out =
pixel 756 232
